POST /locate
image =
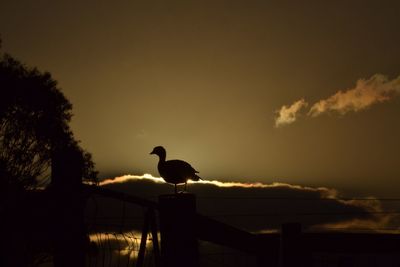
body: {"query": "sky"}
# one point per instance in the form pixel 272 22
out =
pixel 298 92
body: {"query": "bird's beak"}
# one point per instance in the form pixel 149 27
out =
pixel 152 152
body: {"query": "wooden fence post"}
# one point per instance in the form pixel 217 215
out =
pixel 68 228
pixel 179 246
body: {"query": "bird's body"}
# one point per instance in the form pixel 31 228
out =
pixel 174 171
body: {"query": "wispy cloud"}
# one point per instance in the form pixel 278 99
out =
pixel 367 92
pixel 288 114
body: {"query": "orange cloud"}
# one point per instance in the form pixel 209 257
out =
pixel 288 114
pixel 367 92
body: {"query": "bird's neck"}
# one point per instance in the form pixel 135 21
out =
pixel 162 158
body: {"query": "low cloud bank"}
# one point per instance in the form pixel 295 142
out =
pixel 254 207
pixel 367 92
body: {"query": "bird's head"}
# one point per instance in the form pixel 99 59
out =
pixel 159 151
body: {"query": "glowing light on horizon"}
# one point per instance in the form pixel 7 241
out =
pixel 128 242
pixel 325 192
pixel 375 222
pixel 130 177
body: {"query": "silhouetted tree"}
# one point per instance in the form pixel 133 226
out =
pixel 34 117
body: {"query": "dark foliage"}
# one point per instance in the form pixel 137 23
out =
pixel 34 117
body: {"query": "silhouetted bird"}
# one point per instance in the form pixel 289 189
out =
pixel 174 171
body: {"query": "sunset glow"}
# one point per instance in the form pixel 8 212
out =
pixel 126 178
pixel 241 133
